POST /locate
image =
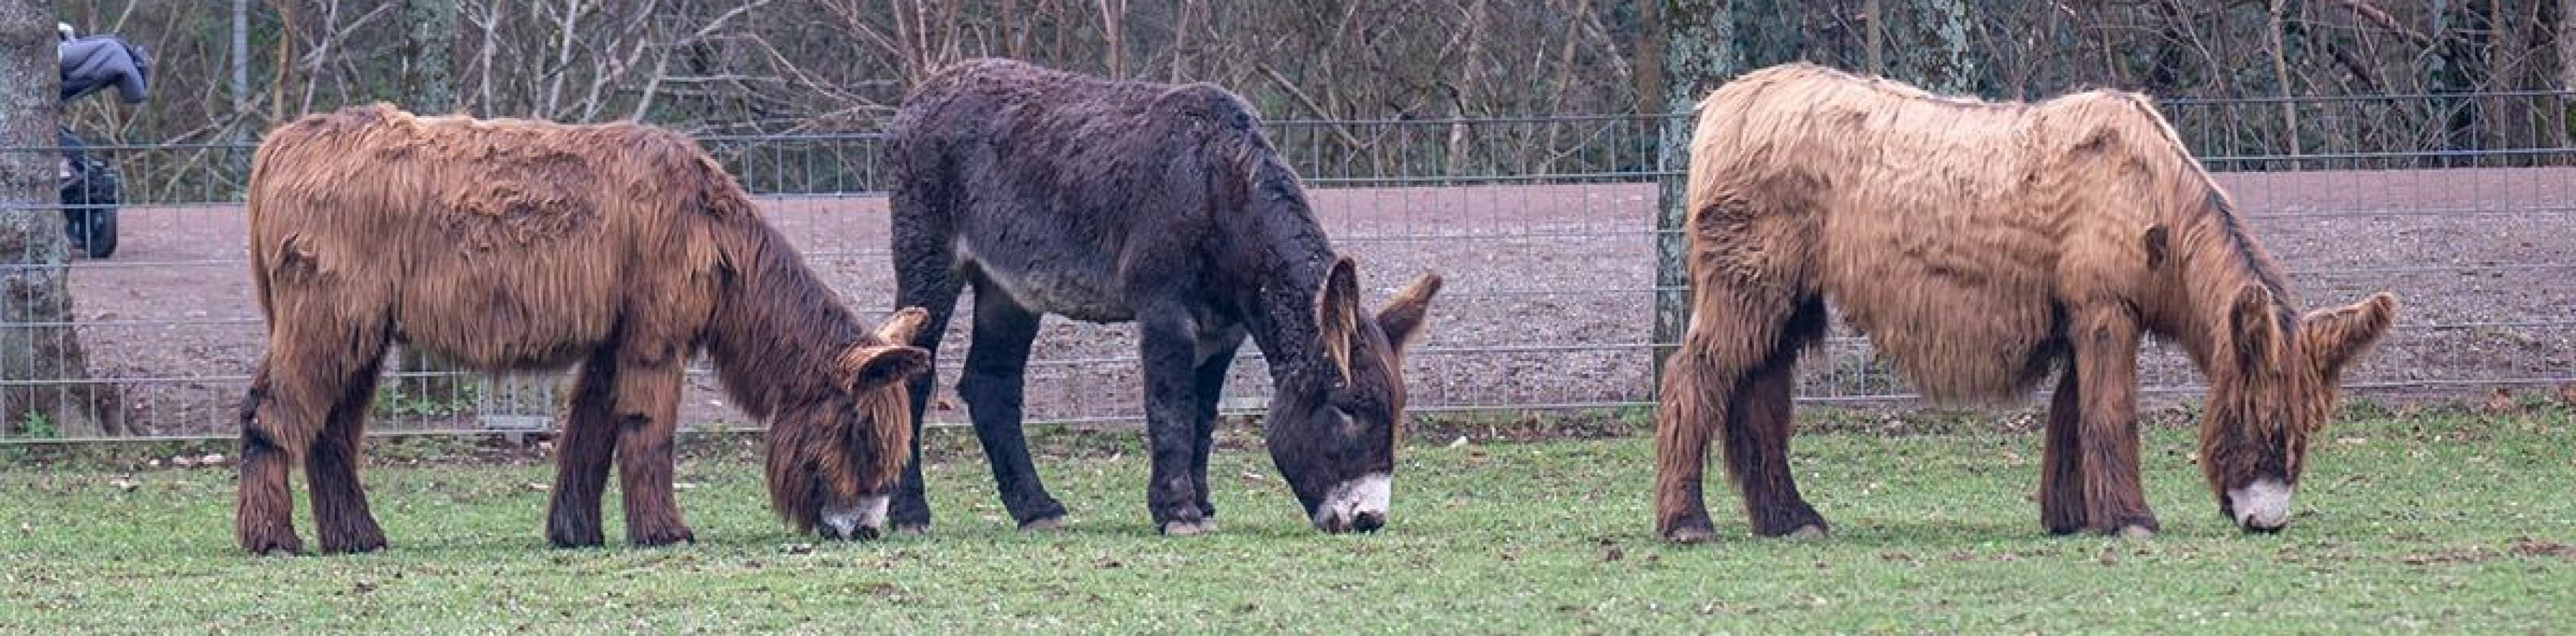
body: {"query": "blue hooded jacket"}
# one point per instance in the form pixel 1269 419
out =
pixel 96 62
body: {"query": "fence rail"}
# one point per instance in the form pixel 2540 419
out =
pixel 1543 225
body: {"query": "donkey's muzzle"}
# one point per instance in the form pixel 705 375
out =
pixel 1368 522
pixel 862 522
pixel 1358 505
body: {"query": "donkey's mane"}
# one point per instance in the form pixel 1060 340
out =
pixel 777 336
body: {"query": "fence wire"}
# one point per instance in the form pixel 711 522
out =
pixel 1544 227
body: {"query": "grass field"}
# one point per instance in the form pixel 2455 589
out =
pixel 2443 521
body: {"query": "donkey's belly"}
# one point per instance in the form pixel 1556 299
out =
pixel 1957 344
pixel 1071 287
pixel 487 319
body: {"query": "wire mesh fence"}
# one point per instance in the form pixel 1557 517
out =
pixel 1544 227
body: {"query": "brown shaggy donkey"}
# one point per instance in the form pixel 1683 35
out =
pixel 507 244
pixel 1978 245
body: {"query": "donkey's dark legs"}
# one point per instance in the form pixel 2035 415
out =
pixel 1757 436
pixel 340 514
pixel 926 276
pixel 583 455
pixel 1170 348
pixel 997 358
pixel 1747 321
pixel 314 361
pixel 1215 359
pixel 2061 472
pixel 647 416
pixel 2106 370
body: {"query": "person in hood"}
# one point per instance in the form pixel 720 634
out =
pixel 93 63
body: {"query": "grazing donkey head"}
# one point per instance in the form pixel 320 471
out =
pixel 833 463
pixel 2279 390
pixel 1333 431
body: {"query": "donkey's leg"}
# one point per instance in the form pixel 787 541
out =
pixel 583 455
pixel 2106 367
pixel 1727 340
pixel 272 434
pixel 1758 426
pixel 997 359
pixel 926 276
pixel 1742 305
pixel 314 356
pixel 1170 350
pixel 340 514
pixel 1216 356
pixel 648 412
pixel 2061 472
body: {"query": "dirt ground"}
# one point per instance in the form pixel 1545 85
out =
pixel 1548 302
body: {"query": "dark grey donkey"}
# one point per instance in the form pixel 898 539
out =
pixel 1161 204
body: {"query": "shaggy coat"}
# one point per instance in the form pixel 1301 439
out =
pixel 1981 246
pixel 519 245
pixel 1160 204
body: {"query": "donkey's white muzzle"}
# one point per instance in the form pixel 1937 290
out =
pixel 863 521
pixel 2262 506
pixel 1356 505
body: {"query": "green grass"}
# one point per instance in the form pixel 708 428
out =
pixel 2442 522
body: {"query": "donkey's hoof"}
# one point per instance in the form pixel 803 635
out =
pixel 1188 528
pixel 357 547
pixel 1805 533
pixel 912 529
pixel 569 541
pixel 664 536
pixel 274 548
pixel 1690 535
pixel 272 543
pixel 2136 532
pixel 1042 524
pixel 852 533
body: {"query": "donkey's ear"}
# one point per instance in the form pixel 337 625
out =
pixel 2333 337
pixel 2256 327
pixel 1401 318
pixel 1337 313
pixel 869 367
pixel 903 325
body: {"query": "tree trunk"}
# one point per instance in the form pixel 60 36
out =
pixel 2278 33
pixel 1874 18
pixel 430 31
pixel 1766 34
pixel 2564 40
pixel 1650 57
pixel 1113 30
pixel 240 131
pixel 241 58
pixel 1699 54
pixel 40 354
pixel 429 35
pixel 1946 64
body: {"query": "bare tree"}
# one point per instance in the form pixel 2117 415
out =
pixel 40 352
